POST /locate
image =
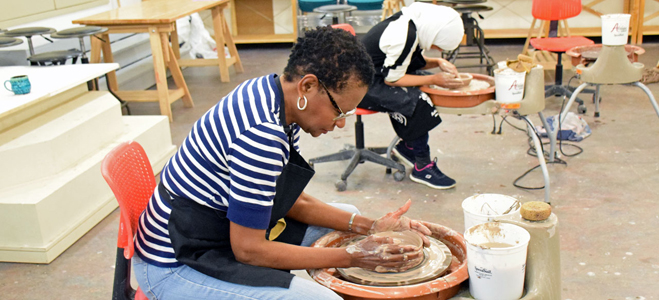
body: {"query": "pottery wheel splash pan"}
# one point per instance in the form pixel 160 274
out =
pixel 436 261
pixel 460 99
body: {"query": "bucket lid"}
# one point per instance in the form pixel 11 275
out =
pixel 535 211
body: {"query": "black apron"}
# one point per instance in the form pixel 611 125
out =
pixel 380 96
pixel 200 235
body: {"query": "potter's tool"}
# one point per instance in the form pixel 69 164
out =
pixel 437 258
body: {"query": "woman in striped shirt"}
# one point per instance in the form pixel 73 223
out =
pixel 230 213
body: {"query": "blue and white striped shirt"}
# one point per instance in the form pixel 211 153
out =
pixel 230 161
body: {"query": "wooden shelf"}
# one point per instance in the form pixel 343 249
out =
pixel 254 21
pixel 264 38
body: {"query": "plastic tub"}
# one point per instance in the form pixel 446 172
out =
pixel 483 208
pixel 496 259
pixel 615 29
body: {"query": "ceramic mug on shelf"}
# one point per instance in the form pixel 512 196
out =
pixel 20 85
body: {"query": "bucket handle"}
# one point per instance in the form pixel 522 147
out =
pixel 515 204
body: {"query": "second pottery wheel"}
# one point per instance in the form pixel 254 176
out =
pixel 437 258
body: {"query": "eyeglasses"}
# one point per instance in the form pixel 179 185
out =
pixel 341 115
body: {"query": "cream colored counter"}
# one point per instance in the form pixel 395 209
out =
pixel 52 142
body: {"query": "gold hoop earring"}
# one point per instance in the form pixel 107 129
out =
pixel 305 103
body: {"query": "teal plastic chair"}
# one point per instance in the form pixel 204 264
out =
pixel 366 4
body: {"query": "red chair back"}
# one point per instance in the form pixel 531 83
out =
pixel 346 27
pixel 128 172
pixel 554 10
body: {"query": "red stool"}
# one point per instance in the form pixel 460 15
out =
pixel 358 154
pixel 553 11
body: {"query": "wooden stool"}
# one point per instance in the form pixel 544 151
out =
pixel 390 7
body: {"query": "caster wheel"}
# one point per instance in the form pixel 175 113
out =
pixel 582 109
pixel 399 175
pixel 341 185
pixel 597 115
pixel 311 164
pixel 388 171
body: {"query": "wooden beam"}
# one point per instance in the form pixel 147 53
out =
pixel 592 11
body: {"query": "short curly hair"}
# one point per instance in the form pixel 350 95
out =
pixel 333 55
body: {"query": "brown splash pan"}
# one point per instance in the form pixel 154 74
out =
pixel 440 288
pixel 455 98
pixel 588 54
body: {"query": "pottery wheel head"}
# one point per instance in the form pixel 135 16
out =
pixel 437 259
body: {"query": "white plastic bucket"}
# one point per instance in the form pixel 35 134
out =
pixel 496 260
pixel 615 29
pixel 509 85
pixel 482 208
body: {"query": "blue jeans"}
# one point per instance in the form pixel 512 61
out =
pixel 186 283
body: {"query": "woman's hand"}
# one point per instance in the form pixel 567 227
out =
pixel 447 67
pixel 380 254
pixel 447 80
pixel 395 221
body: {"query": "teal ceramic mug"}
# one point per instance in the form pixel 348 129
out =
pixel 20 85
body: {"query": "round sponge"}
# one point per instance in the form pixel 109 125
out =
pixel 535 211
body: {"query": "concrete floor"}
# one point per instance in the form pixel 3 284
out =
pixel 605 198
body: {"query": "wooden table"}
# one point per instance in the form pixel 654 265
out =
pixel 158 19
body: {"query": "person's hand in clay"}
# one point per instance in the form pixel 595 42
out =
pixel 447 80
pixel 381 254
pixel 447 67
pixel 395 221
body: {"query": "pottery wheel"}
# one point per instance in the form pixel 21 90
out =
pixel 437 259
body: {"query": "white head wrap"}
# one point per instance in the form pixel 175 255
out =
pixel 436 25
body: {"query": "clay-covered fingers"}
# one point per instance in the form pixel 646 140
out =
pixel 448 80
pixel 393 221
pixel 422 230
pixel 448 67
pixel 401 210
pixel 388 258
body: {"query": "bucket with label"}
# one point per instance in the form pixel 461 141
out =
pixel 615 29
pixel 496 260
pixel 509 85
pixel 484 207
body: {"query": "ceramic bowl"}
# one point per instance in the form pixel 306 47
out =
pixel 466 78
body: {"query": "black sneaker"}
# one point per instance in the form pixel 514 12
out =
pixel 404 154
pixel 431 176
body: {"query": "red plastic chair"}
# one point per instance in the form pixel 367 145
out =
pixel 346 27
pixel 358 153
pixel 553 11
pixel 128 172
